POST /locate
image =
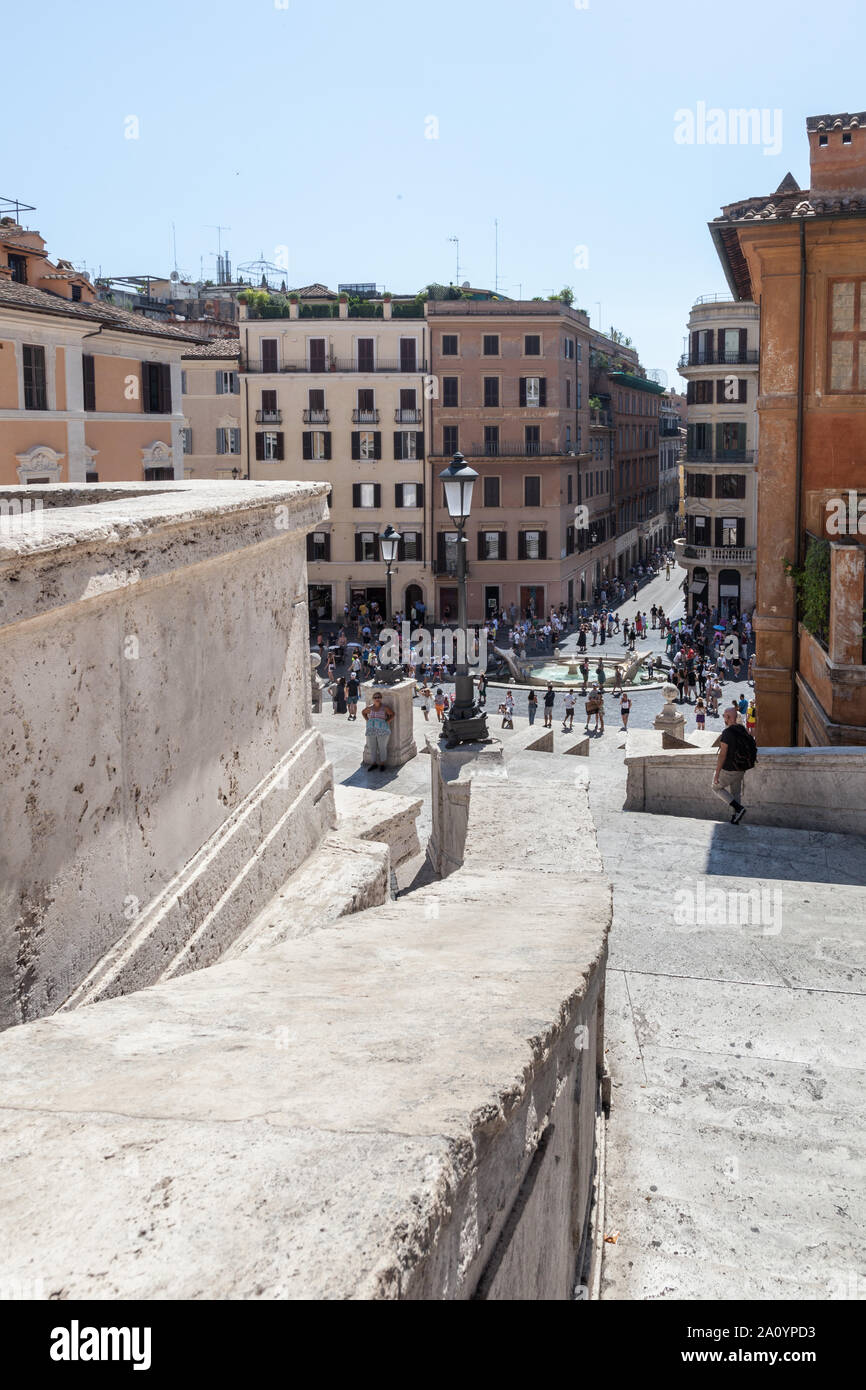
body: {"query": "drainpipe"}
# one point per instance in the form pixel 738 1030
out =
pixel 798 491
pixel 247 410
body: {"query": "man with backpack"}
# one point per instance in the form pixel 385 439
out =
pixel 738 753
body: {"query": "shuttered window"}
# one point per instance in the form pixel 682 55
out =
pixel 156 388
pixel 35 390
pixel 88 372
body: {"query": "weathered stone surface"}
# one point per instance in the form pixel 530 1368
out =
pixel 344 875
pixel 397 697
pixel 358 1114
pixel 377 815
pixel 153 680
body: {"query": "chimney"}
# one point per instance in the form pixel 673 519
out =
pixel 837 155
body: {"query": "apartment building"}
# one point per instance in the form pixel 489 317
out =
pixel 338 394
pixel 718 550
pixel 671 445
pixel 88 392
pixel 801 254
pixel 511 381
pixel 213 435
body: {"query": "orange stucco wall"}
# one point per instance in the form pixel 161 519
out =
pixel 60 379
pixel 17 436
pixel 8 376
pixel 110 375
pixel 119 444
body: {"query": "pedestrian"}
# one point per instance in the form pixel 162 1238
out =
pixel 737 755
pixel 751 718
pixel 602 633
pixel 700 716
pixel 482 689
pixel 654 614
pixel 377 717
pixel 439 704
pixel 549 698
pixel 426 697
pixel 625 709
pixel 506 709
pixel 532 705
pixel 584 671
pixel 743 705
pixel 570 700
pixel 667 571
pixel 617 680
pixel 353 690
pixel 338 693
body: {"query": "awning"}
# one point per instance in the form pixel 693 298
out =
pixel 698 585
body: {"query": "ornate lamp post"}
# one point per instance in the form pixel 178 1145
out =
pixel 466 722
pixel 389 542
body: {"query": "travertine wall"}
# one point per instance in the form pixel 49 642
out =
pixel 159 775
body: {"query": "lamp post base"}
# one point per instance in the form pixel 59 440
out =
pixel 467 721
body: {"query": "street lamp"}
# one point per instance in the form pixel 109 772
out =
pixel 466 721
pixel 389 543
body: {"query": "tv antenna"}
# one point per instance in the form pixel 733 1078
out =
pixel 456 241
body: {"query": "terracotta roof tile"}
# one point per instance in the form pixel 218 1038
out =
pixel 30 300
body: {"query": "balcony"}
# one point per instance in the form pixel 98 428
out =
pixel 407 417
pixel 693 455
pixel 507 449
pixel 600 419
pixel 365 417
pixel 668 431
pixel 715 554
pixel 711 357
pixel 333 364
pixel 269 417
pixel 317 417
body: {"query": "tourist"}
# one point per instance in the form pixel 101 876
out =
pixel 742 705
pixel 751 718
pixel 737 754
pixel 584 671
pixel 654 615
pixel 625 709
pixel 750 674
pixel 532 705
pixel 482 689
pixel 617 680
pixel 353 690
pixel 377 717
pixel 506 709
pixel 439 704
pixel 338 695
pixel 549 698
pixel 700 716
pixel 570 700
pixel 667 571
pixel 599 674
pixel 426 696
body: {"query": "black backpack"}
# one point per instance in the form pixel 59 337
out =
pixel 744 752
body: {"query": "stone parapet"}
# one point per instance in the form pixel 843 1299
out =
pixel 800 788
pixel 160 778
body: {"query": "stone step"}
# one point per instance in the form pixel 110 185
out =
pixel 345 875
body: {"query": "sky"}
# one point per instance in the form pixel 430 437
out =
pixel 349 141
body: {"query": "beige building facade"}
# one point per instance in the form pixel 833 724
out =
pixel 719 548
pixel 213 435
pixel 344 400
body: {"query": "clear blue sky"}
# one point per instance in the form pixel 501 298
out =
pixel 304 127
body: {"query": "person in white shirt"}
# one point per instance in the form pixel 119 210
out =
pixel 569 701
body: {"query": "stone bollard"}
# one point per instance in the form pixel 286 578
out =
pixel 670 721
pixel 398 697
